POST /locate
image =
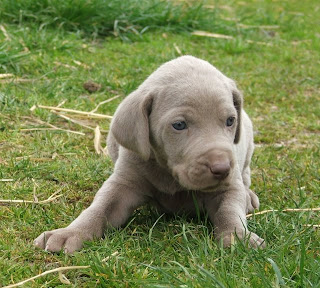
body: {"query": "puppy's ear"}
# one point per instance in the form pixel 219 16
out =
pixel 237 102
pixel 130 124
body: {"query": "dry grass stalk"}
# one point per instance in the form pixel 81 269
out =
pixel 209 6
pixel 72 120
pixel 6 75
pixel 37 129
pixel 97 142
pixel 16 80
pixel 35 185
pixel 312 225
pixel 85 66
pixel 211 35
pixel 301 209
pixel 59 270
pixel 108 257
pixel 301 41
pixel 25 48
pixel 284 210
pixel 51 198
pixel 35 159
pixel 5 33
pixel 6 180
pixel 62 277
pixel 258 26
pixel 65 65
pixel 177 49
pixel 104 102
pixel 88 114
pixel 34 107
pixel 4 116
pixel 77 121
pixel 228 37
pixel 52 129
pixel 259 43
pixel 37 120
pixel 230 19
pixel 62 103
pixel 223 7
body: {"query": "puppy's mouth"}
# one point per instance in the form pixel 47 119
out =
pixel 206 189
pixel 210 188
pixel 185 182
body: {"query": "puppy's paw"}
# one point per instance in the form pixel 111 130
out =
pixel 255 241
pixel 252 201
pixel 251 239
pixel 67 239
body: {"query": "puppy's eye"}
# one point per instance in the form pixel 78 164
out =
pixel 179 125
pixel 230 121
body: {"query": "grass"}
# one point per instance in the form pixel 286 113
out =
pixel 51 62
pixel 100 17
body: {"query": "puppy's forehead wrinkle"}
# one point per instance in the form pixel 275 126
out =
pixel 188 78
pixel 193 105
pixel 185 68
pixel 193 91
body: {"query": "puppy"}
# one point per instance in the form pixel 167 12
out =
pixel 181 141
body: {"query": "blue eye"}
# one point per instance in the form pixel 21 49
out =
pixel 179 125
pixel 230 121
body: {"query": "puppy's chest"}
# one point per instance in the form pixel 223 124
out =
pixel 169 195
pixel 167 186
pixel 180 202
pixel 161 179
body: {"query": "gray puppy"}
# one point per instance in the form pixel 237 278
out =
pixel 182 137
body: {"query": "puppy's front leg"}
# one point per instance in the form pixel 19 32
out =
pixel 112 206
pixel 227 211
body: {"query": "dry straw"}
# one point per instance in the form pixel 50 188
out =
pixel 61 112
pixel 88 114
pixel 62 277
pixel 59 270
pixel 51 198
pixel 227 37
pixel 284 210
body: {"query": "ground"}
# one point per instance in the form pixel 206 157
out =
pixel 274 57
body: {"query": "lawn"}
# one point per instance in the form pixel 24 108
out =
pixel 49 51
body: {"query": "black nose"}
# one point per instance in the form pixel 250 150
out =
pixel 220 170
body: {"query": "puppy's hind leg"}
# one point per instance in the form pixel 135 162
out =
pixel 252 198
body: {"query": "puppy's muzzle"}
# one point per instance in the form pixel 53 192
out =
pixel 220 169
pixel 219 163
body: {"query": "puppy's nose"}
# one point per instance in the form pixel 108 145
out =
pixel 220 170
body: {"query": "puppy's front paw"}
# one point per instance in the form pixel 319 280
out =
pixel 67 239
pixel 252 201
pixel 253 240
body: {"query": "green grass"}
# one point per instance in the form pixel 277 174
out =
pixel 282 91
pixel 100 17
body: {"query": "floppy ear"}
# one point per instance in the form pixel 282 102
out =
pixel 130 124
pixel 237 102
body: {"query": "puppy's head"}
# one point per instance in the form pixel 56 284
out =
pixel 186 116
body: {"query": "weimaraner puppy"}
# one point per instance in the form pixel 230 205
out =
pixel 180 141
